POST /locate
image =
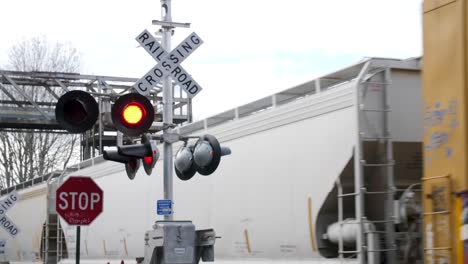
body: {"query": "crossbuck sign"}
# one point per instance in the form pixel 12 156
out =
pixel 5 205
pixel 168 63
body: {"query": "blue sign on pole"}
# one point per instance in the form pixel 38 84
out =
pixel 164 207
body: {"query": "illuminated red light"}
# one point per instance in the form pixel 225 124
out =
pixel 133 113
pixel 148 159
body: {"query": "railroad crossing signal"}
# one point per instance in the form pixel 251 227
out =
pixel 77 111
pixel 168 63
pixel 132 114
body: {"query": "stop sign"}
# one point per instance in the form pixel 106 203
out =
pixel 79 200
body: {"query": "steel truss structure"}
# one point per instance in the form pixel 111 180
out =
pixel 28 99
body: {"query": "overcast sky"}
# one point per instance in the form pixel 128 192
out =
pixel 252 48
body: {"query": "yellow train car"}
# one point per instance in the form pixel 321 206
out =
pixel 445 179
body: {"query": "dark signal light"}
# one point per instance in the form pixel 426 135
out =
pixel 76 111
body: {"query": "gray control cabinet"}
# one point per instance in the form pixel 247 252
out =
pixel 177 242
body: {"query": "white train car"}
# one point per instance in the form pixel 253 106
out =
pixel 273 199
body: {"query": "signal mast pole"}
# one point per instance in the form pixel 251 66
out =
pixel 168 102
pixel 167 107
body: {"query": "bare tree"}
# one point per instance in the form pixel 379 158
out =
pixel 25 155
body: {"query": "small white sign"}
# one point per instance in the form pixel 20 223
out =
pixel 168 63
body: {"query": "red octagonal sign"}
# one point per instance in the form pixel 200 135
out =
pixel 79 200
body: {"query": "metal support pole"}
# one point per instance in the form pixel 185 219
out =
pixel 318 88
pixel 167 104
pixel 389 203
pixel 189 110
pixel 101 130
pixel 119 138
pixel 78 238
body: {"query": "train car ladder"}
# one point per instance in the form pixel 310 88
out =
pixel 372 109
pixel 52 243
pixel 437 213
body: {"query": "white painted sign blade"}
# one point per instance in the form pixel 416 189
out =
pixel 183 50
pixel 150 79
pixel 141 88
pixel 179 75
pixel 8 225
pixel 151 45
pixel 184 80
pixel 8 202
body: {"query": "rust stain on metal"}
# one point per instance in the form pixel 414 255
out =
pixel 125 247
pixel 311 226
pixel 104 246
pixel 247 241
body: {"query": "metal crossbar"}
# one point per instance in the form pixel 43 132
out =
pixel 376 110
pixel 392 163
pixel 376 138
pixel 382 192
pixel 347 194
pixel 382 250
pixel 438 248
pixel 349 251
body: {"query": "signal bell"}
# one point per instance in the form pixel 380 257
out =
pixel 184 166
pixel 203 158
pixel 132 114
pixel 76 111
